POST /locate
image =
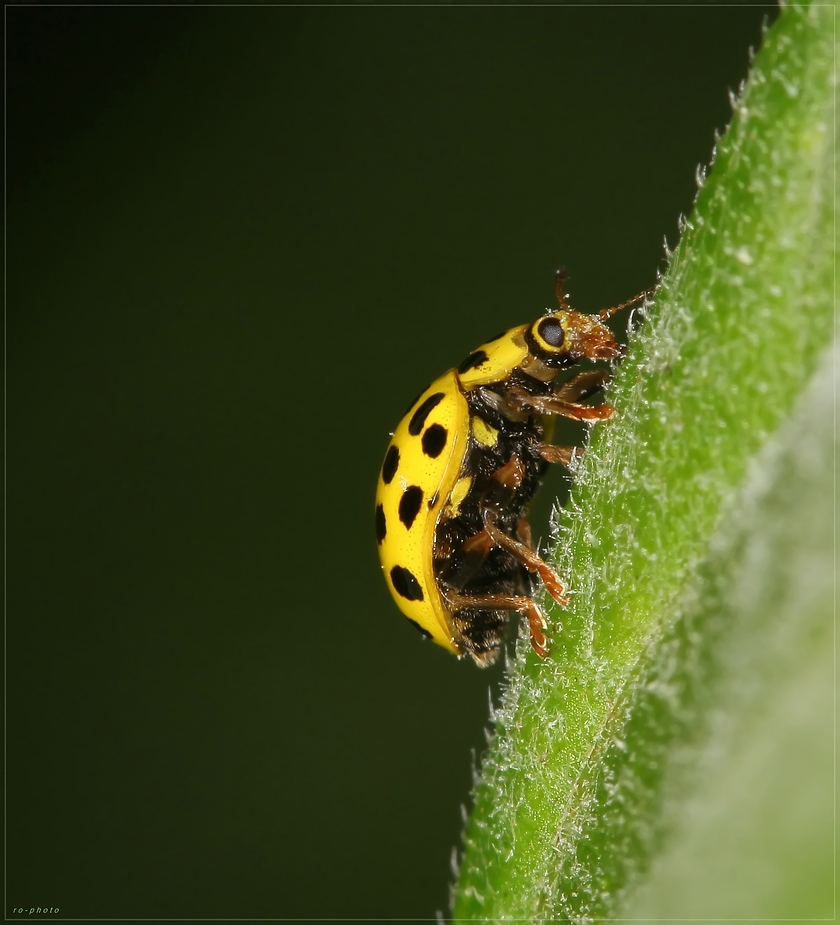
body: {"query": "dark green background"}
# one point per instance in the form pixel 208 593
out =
pixel 240 241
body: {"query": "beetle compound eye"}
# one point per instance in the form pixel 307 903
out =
pixel 551 332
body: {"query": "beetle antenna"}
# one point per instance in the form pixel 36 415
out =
pixel 609 312
pixel 560 279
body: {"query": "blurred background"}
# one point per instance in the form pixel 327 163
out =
pixel 240 241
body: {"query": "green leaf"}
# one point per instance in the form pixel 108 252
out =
pixel 684 542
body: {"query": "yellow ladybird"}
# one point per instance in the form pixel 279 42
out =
pixel 460 472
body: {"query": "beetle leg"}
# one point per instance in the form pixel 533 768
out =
pixel 571 393
pixel 521 400
pixel 519 602
pixel 523 532
pixel 566 455
pixel 583 385
pixel 527 557
pixel 510 475
pixel 458 562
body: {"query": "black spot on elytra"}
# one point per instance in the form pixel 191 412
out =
pixel 418 419
pixel 410 504
pixel 405 584
pixel 389 467
pixel 424 633
pixel 381 528
pixel 473 360
pixel 434 440
pixel 551 331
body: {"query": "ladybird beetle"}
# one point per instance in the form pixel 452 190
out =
pixel 465 461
